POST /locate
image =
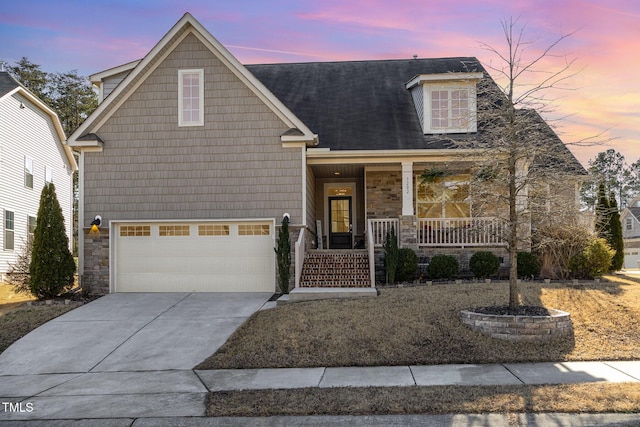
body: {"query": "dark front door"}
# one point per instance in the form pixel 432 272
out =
pixel 340 225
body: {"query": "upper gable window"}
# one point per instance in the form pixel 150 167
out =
pixel 445 103
pixel 190 97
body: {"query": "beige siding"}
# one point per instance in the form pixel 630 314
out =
pixel 28 132
pixel 311 199
pixel 232 167
pixel 109 84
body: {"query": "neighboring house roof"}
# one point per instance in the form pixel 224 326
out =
pixel 10 86
pixel 7 83
pixel 360 105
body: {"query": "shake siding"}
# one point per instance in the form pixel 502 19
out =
pixel 232 167
pixel 417 93
pixel 110 84
pixel 311 199
pixel 29 132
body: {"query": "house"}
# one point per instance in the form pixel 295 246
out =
pixel 33 151
pixel 192 159
pixel 630 220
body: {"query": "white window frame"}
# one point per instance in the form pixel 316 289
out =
pixel 629 224
pixel 181 116
pixel 8 230
pixel 28 171
pixel 31 232
pixel 468 125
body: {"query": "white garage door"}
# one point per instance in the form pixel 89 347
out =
pixel 204 256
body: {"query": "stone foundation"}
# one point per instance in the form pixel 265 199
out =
pixel 520 328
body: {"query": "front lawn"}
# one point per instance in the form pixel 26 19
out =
pixel 421 326
pixel 20 321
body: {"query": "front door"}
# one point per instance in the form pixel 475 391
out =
pixel 340 224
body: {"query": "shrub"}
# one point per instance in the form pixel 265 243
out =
pixel 407 265
pixel 528 265
pixel 594 260
pixel 443 267
pixel 52 266
pixel 391 255
pixel 18 275
pixel 283 255
pixel 484 264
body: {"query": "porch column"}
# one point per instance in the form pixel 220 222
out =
pixel 407 188
pixel 408 222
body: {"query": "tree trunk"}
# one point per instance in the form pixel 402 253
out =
pixel 513 231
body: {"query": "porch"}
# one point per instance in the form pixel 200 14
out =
pixel 439 232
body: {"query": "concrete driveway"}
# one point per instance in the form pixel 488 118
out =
pixel 125 354
pixel 132 332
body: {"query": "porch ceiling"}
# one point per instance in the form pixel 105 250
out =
pixel 338 171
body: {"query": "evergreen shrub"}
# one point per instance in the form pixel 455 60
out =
pixel 407 265
pixel 528 265
pixel 483 265
pixel 443 267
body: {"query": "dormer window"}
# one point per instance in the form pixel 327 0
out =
pixel 446 103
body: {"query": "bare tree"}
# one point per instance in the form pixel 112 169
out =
pixel 528 172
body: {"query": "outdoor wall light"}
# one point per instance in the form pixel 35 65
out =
pixel 95 224
pixel 287 216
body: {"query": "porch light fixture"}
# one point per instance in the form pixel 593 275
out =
pixel 95 224
pixel 21 106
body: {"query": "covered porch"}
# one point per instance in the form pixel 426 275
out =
pixel 365 198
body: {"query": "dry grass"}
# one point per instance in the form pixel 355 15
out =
pixel 19 322
pixel 17 319
pixel 421 326
pixel 572 398
pixel 9 300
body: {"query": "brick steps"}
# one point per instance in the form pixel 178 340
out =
pixel 336 269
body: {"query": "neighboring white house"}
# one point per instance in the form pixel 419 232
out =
pixel 630 219
pixel 33 151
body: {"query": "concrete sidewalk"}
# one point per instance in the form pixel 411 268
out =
pixel 122 397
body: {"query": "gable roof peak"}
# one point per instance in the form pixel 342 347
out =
pixel 141 69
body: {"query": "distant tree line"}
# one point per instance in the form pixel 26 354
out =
pixel 619 178
pixel 68 94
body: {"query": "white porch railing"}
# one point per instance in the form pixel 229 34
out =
pixel 460 232
pixel 378 229
pixel 372 259
pixel 299 257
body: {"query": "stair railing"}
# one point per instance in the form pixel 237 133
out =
pixel 299 254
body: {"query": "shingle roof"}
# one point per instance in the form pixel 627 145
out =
pixel 359 105
pixel 635 211
pixel 364 105
pixel 7 83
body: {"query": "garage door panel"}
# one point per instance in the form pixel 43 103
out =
pixel 227 263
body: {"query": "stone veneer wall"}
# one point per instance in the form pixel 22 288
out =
pixel 520 328
pixel 95 277
pixel 384 194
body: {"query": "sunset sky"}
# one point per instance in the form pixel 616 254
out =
pixel 603 98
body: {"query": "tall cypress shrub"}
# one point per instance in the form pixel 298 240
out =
pixel 283 255
pixel 603 211
pixel 616 240
pixel 52 266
